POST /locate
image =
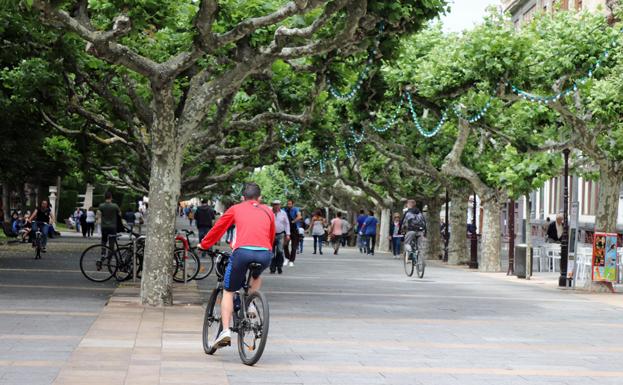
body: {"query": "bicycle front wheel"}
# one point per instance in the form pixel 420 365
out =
pixel 408 262
pixel 98 263
pixel 206 265
pixel 212 325
pixel 253 330
pixel 191 263
pixel 420 265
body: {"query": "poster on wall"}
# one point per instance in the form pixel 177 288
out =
pixel 604 257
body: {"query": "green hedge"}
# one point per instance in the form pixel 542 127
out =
pixel 67 205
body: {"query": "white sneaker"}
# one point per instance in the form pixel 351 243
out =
pixel 291 264
pixel 285 261
pixel 223 339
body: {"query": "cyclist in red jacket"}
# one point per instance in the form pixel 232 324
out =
pixel 255 233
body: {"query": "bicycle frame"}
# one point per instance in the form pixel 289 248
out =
pixel 186 245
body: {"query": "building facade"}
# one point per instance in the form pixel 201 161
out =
pixel 522 11
pixel 548 201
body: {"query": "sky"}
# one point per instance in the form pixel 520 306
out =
pixel 465 13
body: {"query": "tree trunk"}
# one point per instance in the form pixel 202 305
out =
pixel 386 217
pixel 608 203
pixel 433 226
pixel 491 236
pixel 458 253
pixel 6 206
pixel 164 190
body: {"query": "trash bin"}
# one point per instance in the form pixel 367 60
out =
pixel 520 266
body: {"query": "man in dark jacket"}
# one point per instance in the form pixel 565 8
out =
pixel 554 231
pixel 204 218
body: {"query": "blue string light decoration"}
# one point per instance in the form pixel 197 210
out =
pixel 572 88
pixel 362 75
pixel 392 121
pixel 418 124
pixel 293 138
pixel 475 117
pixel 357 138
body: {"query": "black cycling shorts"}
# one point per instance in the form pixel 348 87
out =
pixel 235 273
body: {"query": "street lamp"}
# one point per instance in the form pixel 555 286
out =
pixel 511 237
pixel 446 232
pixel 473 263
pixel 564 247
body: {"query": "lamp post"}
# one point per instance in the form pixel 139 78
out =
pixel 564 246
pixel 473 263
pixel 511 237
pixel 446 235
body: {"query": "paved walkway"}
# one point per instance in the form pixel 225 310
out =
pixel 354 319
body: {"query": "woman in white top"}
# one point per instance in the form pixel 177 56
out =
pixel 317 230
pixel 90 221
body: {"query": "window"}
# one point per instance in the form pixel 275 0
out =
pixel 590 194
pixel 578 5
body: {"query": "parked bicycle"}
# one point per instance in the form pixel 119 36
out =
pixel 251 314
pixel 413 260
pixel 100 262
pixel 206 265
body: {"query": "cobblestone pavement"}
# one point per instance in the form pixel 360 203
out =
pixel 46 307
pixel 357 319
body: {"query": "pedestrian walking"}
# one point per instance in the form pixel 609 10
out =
pixel 318 224
pixel 191 215
pixel 395 235
pixel 90 221
pixel 83 223
pixel 204 219
pixel 76 216
pixel 360 237
pixel 282 234
pixel 296 221
pixel 129 218
pixel 346 227
pixel 139 221
pixel 335 232
pixel 369 232
pixel 111 216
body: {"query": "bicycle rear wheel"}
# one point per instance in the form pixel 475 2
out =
pixel 212 324
pixel 206 265
pixel 408 262
pixel 420 265
pixel 125 268
pixel 98 263
pixel 192 265
pixel 253 331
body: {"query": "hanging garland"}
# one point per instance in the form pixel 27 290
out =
pixel 362 75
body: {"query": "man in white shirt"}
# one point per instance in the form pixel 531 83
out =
pixel 282 232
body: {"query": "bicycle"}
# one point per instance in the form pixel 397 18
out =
pixel 186 262
pixel 205 266
pixel 245 325
pixel 101 262
pixel 38 240
pixel 413 259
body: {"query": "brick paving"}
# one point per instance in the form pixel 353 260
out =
pixel 353 319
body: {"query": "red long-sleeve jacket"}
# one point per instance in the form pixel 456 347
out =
pixel 255 226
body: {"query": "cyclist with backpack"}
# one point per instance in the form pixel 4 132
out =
pixel 413 225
